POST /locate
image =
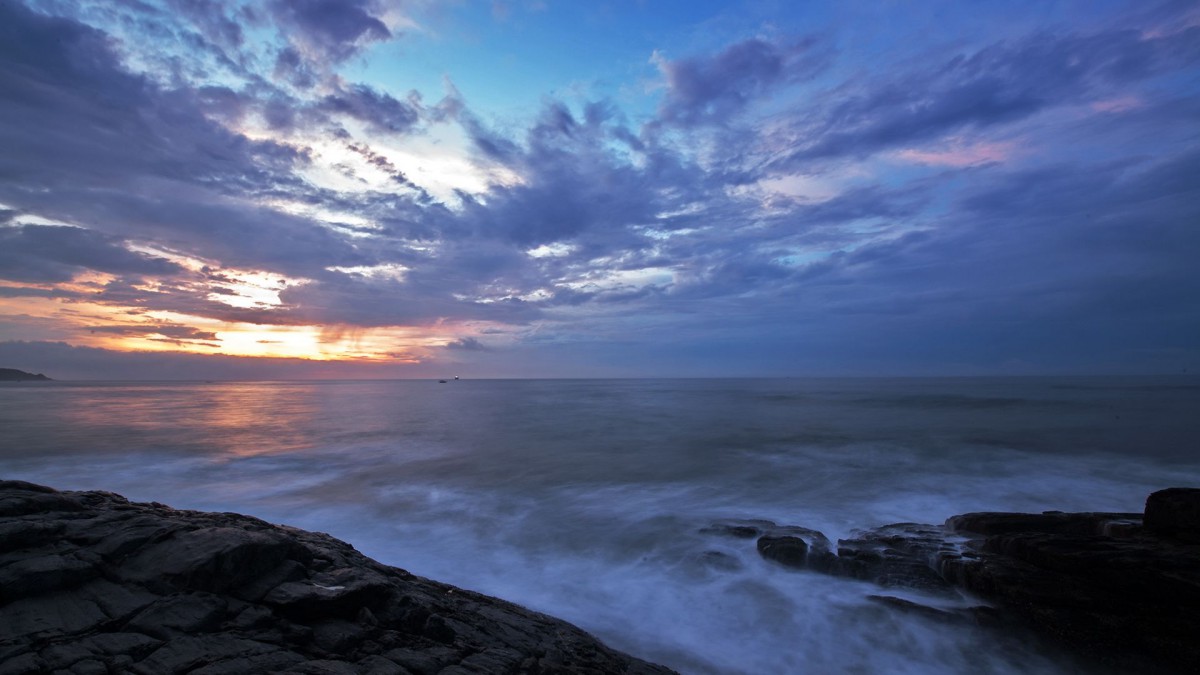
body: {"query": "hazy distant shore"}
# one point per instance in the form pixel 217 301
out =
pixel 14 375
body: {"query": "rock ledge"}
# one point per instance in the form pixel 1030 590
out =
pixel 93 583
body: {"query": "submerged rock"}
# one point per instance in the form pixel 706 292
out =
pixel 90 582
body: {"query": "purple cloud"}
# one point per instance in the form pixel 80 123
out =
pixel 41 253
pixel 335 29
pixel 712 89
pixel 999 84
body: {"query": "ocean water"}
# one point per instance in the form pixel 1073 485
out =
pixel 585 499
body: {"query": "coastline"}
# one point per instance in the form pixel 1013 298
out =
pixel 92 582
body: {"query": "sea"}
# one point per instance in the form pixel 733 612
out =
pixel 589 499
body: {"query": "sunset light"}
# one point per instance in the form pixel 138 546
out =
pixel 514 189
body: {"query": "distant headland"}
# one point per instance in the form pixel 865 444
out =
pixel 14 375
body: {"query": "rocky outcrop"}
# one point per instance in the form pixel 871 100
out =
pixel 1119 590
pixel 1174 513
pixel 14 375
pixel 92 583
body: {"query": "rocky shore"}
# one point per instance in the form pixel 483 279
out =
pixel 1118 591
pixel 92 583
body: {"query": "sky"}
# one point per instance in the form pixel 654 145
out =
pixel 547 188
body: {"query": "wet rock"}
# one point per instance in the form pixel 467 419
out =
pixel 1120 595
pixel 901 555
pixel 1174 513
pixel 785 550
pixel 1130 599
pixel 719 560
pixel 977 614
pixel 788 545
pixel 741 529
pixel 90 582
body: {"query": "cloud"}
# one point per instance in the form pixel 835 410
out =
pixel 381 112
pixel 756 208
pixel 331 30
pixel 42 254
pixel 712 89
pixel 62 361
pixel 468 344
pixel 86 142
pixel 33 292
pixel 169 330
pixel 998 84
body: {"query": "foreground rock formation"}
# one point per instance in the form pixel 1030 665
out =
pixel 92 583
pixel 1119 590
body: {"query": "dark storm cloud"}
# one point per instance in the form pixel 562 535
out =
pixel 999 84
pixel 711 89
pixel 43 253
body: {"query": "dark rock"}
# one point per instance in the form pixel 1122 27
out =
pixel 423 661
pixel 741 529
pixel 901 555
pixel 89 667
pixel 719 560
pixel 14 375
pixel 377 665
pixel 25 664
pixel 788 545
pixel 90 582
pixel 1051 522
pixel 181 614
pixel 210 559
pixel 911 607
pixel 1175 513
pixel 18 534
pixel 43 574
pixel 338 635
pixel 786 550
pixel 1119 595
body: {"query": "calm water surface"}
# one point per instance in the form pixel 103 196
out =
pixel 585 499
